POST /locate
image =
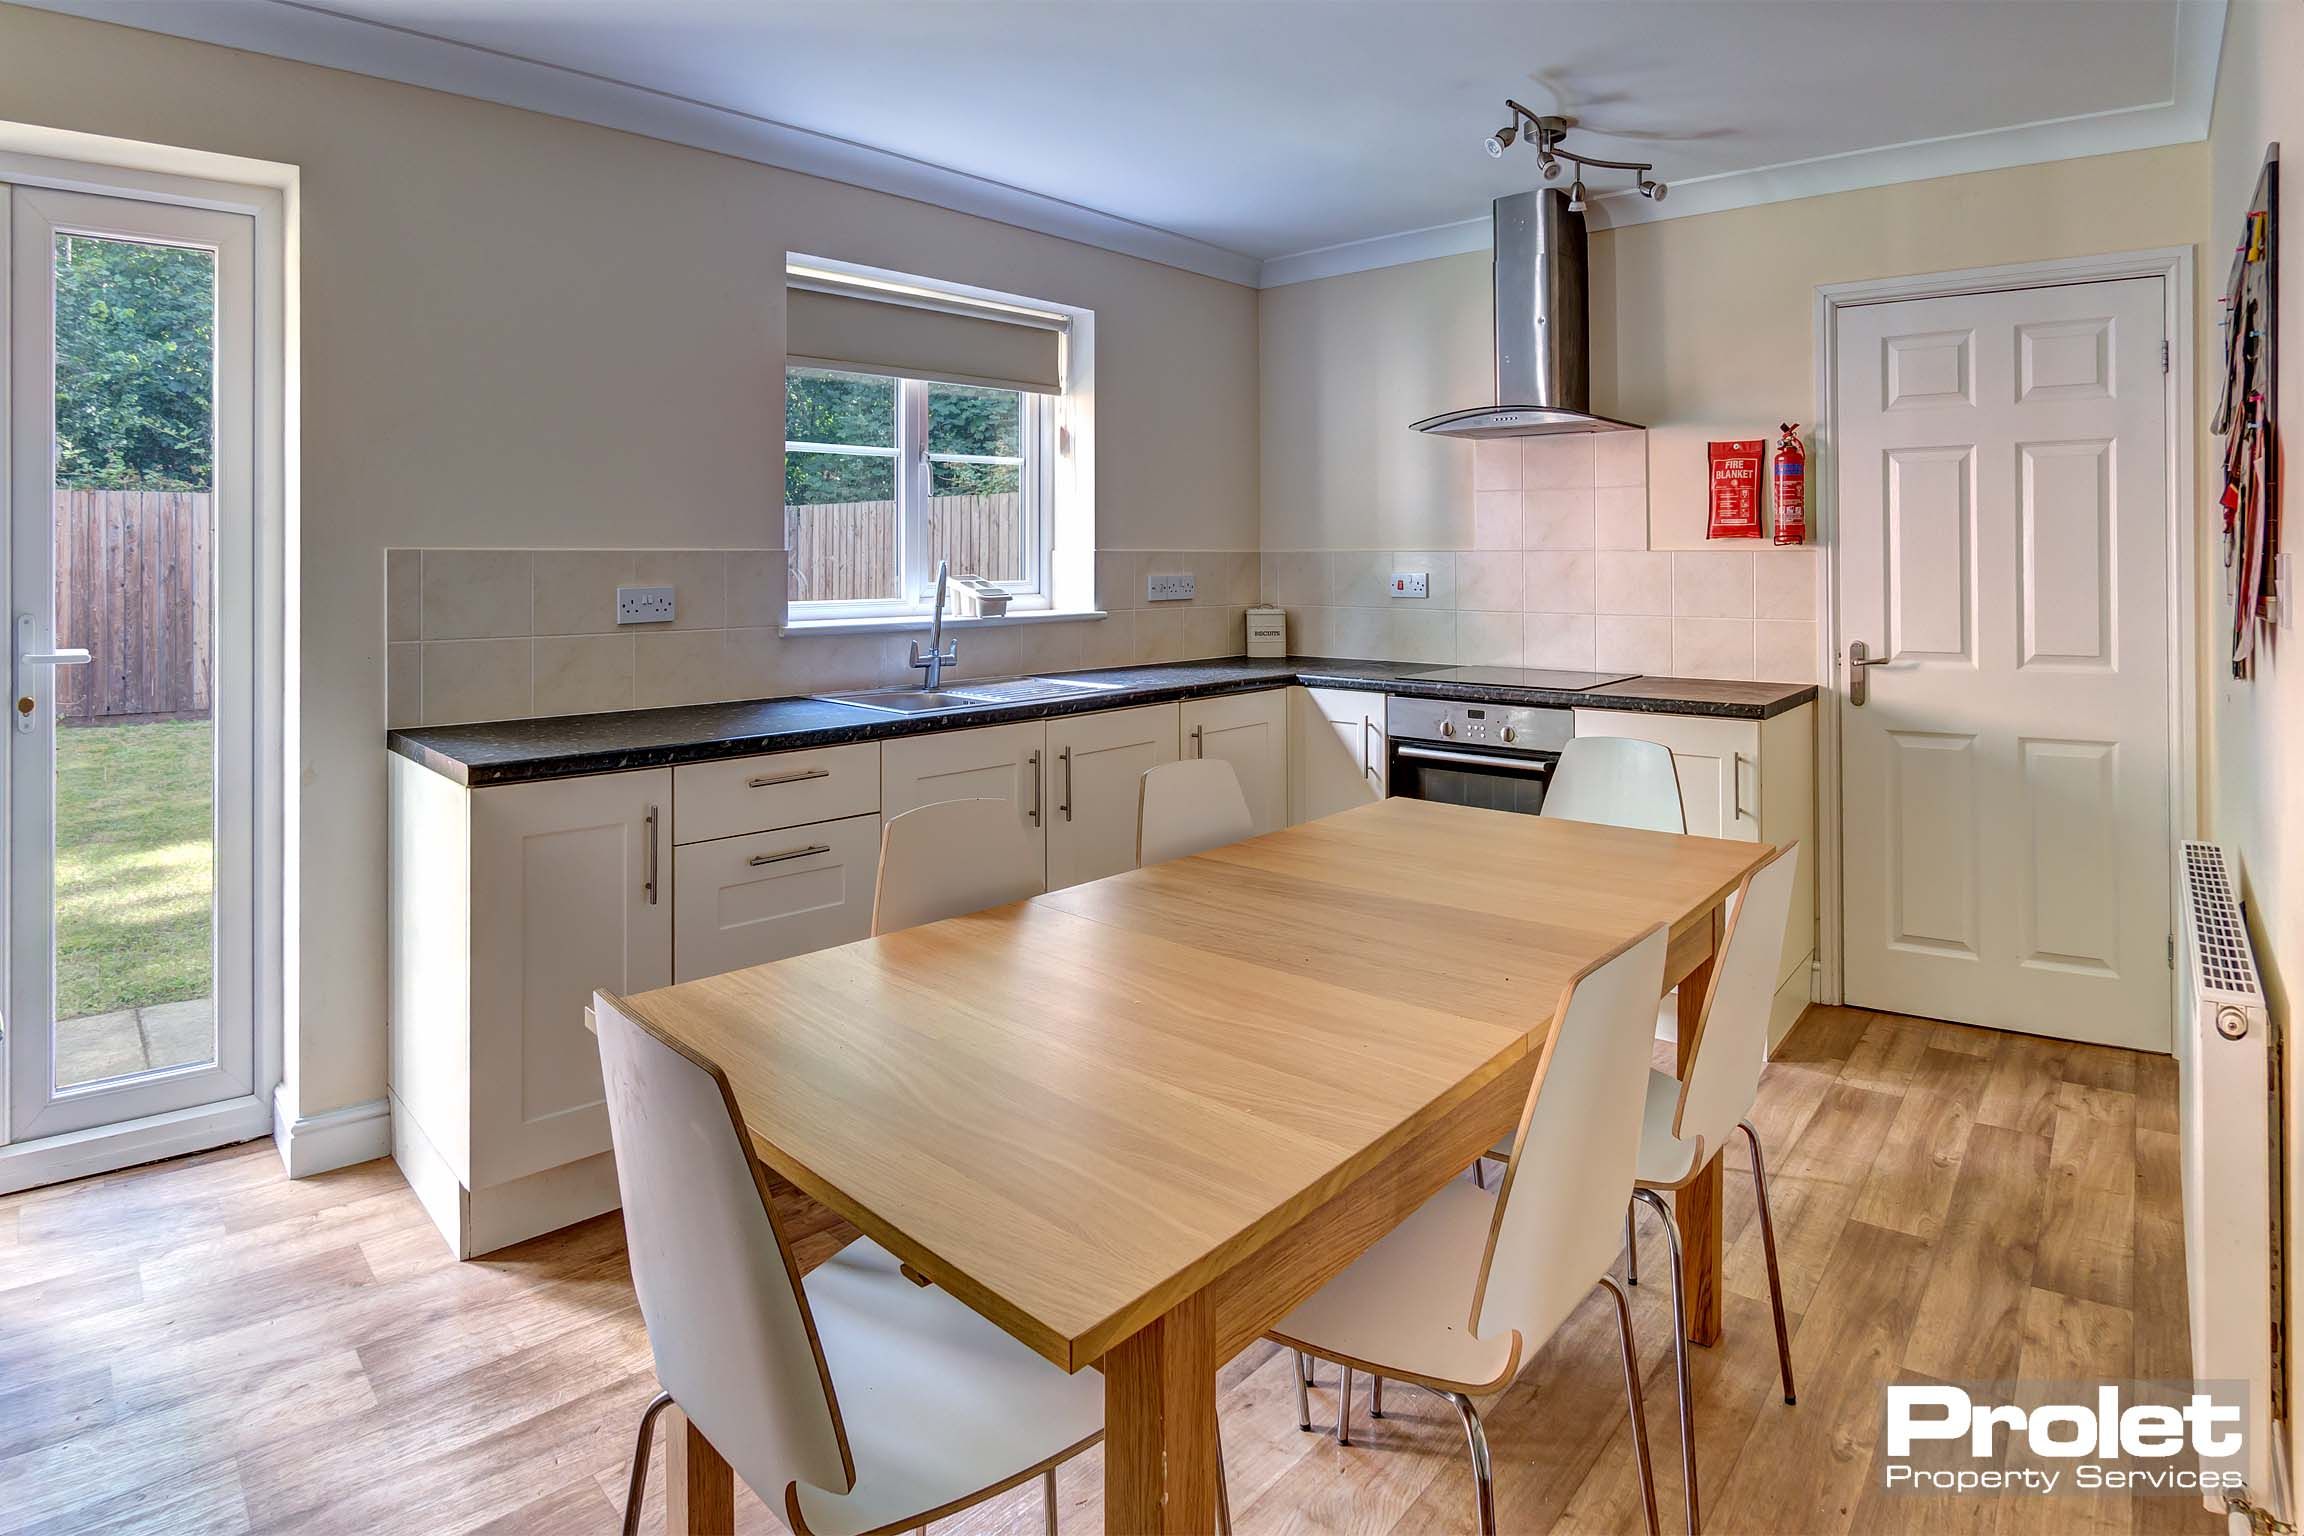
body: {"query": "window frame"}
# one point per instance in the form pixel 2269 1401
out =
pixel 914 478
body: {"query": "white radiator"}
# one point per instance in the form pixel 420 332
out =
pixel 2228 1059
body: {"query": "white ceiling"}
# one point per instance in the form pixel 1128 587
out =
pixel 1275 140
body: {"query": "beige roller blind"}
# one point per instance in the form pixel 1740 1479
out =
pixel 876 336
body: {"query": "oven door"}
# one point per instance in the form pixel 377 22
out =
pixel 1493 781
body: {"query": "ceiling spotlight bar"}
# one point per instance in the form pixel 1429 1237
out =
pixel 1546 133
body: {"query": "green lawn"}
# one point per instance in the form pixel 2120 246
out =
pixel 135 865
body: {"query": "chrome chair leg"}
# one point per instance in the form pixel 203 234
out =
pixel 639 1484
pixel 1632 1395
pixel 1631 1245
pixel 1048 1498
pixel 1344 1407
pixel 1768 1245
pixel 1483 1482
pixel 1679 1352
pixel 1303 1398
pixel 1375 1397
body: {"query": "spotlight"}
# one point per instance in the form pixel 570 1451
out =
pixel 1653 190
pixel 1501 140
pixel 1551 168
pixel 1576 195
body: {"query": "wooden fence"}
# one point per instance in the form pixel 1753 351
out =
pixel 133 586
pixel 843 551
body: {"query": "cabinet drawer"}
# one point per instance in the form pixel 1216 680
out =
pixel 782 789
pixel 748 900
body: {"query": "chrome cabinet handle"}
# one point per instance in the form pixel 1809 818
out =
pixel 1032 763
pixel 790 853
pixel 1367 764
pixel 1199 743
pixel 648 880
pixel 797 776
pixel 1065 805
pixel 1860 657
pixel 1736 785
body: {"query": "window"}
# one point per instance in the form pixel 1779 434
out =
pixel 883 477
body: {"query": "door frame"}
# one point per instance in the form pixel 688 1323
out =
pixel 2173 266
pixel 59 159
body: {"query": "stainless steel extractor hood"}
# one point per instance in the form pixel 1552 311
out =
pixel 1543 336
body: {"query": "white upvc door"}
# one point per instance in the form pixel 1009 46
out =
pixel 2002 493
pixel 130 941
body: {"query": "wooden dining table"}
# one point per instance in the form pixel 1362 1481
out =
pixel 1135 1122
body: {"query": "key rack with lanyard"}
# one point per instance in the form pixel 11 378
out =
pixel 2247 416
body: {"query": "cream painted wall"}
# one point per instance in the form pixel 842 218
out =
pixel 523 331
pixel 1701 328
pixel 2254 783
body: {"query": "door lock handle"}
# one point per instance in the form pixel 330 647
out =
pixel 29 654
pixel 1859 684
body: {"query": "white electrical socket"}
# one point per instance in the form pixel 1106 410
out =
pixel 644 605
pixel 1174 587
pixel 1411 583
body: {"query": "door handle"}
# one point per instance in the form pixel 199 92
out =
pixel 28 654
pixel 798 776
pixel 1736 783
pixel 648 877
pixel 1065 805
pixel 1858 684
pixel 1199 741
pixel 808 852
pixel 1032 763
pixel 1367 764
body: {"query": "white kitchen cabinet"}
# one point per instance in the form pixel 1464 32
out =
pixel 994 762
pixel 510 906
pixel 1095 766
pixel 1336 751
pixel 739 901
pixel 1750 781
pixel 1249 731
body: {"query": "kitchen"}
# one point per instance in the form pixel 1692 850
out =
pixel 1396 496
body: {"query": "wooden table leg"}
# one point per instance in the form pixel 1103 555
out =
pixel 1161 1462
pixel 1696 1205
pixel 699 1487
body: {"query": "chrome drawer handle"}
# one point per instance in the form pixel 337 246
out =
pixel 796 776
pixel 790 853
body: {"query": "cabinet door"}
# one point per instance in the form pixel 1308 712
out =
pixel 739 901
pixel 1718 762
pixel 1336 752
pixel 1249 731
pixel 997 762
pixel 1096 767
pixel 568 898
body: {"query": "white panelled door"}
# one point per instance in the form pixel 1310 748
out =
pixel 2003 555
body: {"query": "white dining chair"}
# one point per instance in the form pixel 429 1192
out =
pixel 1616 780
pixel 1687 1120
pixel 1463 1293
pixel 857 1400
pixel 1189 807
pixel 949 858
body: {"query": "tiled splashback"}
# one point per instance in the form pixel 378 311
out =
pixel 1561 575
pixel 498 634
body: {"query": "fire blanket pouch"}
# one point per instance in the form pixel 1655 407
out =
pixel 1736 488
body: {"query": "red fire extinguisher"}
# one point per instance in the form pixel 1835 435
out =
pixel 1789 486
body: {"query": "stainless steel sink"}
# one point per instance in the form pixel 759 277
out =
pixel 984 695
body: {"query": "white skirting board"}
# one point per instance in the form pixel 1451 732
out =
pixel 479 1221
pixel 333 1139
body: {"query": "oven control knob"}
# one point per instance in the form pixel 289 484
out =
pixel 1510 735
pixel 1447 727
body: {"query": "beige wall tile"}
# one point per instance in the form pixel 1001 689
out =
pixel 1784 583
pixel 1362 633
pixel 1241 589
pixel 1620 458
pixel 1784 650
pixel 1490 581
pixel 1160 633
pixel 1559 580
pixel 578 674
pixel 698 579
pixel 1116 585
pixel 1429 636
pixel 1489 639
pixel 1557 519
pixel 1301 578
pixel 754 659
pixel 1496 465
pixel 1109 641
pixel 404 684
pixel 1360 578
pixel 576 590
pixel 472 594
pixel 1632 581
pixel 1211 632
pixel 1712 584
pixel 1712 648
pixel 1620 517
pixel 1496 520
pixel 1625 643
pixel 1553 462
pixel 403 594
pixel 1558 640
pixel 675 667
pixel 476 680
pixel 757 595
pixel 1311 631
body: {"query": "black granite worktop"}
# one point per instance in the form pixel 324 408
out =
pixel 563 746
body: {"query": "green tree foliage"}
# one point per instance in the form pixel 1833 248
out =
pixel 135 365
pixel 858 411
